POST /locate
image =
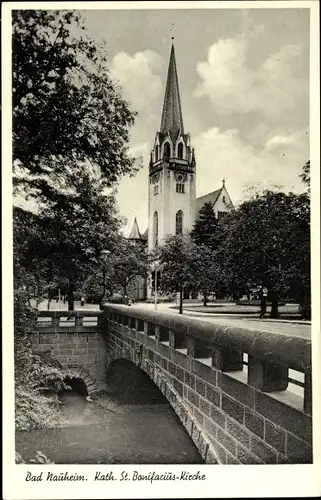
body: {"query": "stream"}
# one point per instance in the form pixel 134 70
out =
pixel 132 423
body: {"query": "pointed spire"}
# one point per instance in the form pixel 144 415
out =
pixel 135 233
pixel 172 120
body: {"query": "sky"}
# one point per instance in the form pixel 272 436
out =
pixel 244 85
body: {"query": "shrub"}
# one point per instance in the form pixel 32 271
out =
pixel 40 458
pixel 35 373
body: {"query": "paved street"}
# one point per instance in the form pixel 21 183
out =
pixel 284 327
pixel 55 306
pixel 295 328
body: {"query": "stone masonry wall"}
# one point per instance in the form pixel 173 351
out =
pixel 84 354
pixel 230 421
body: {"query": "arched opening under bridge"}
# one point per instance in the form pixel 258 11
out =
pixel 73 398
pixel 153 426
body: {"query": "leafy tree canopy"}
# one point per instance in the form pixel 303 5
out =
pixel 66 108
pixel 177 259
pixel 204 230
pixel 208 277
pixel 305 175
pixel 127 262
pixel 61 244
pixel 267 242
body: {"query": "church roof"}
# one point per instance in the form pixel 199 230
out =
pixel 145 235
pixel 135 233
pixel 207 198
pixel 172 120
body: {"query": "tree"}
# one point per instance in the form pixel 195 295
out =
pixel 70 143
pixel 69 236
pixel 204 230
pixel 266 242
pixel 208 278
pixel 305 175
pixel 29 272
pixel 34 373
pixel 66 108
pixel 128 262
pixel 179 265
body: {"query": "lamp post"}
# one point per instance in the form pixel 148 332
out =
pixel 156 268
pixel 104 253
pixel 155 294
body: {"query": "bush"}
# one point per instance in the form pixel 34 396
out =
pixel 33 410
pixel 40 458
pixel 34 372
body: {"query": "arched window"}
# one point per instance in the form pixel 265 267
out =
pixel 155 229
pixel 167 149
pixel 157 153
pixel 180 150
pixel 179 222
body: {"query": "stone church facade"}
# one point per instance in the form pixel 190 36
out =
pixel 172 202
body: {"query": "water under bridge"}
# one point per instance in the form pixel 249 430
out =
pixel 240 396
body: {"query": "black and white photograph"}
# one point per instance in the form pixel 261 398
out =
pixel 162 247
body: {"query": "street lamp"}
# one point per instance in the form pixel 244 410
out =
pixel 157 268
pixel 104 254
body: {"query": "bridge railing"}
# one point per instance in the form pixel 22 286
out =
pixel 49 321
pixel 269 362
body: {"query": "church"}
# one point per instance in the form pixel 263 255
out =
pixel 172 202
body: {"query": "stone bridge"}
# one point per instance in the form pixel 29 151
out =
pixel 243 396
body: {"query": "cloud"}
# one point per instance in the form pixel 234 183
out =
pixel 138 77
pixel 232 86
pixel 224 153
pixel 283 141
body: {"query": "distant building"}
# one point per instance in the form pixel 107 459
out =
pixel 220 199
pixel 172 169
pixel 172 202
pixel 135 235
pixel 138 288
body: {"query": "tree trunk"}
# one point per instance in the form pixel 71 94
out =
pixel 104 290
pixel 71 302
pixel 181 299
pixel 305 307
pixel 263 307
pixel 274 306
pixel 204 299
pixel 39 293
pixel 104 284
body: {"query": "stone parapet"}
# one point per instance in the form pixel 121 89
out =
pixel 244 409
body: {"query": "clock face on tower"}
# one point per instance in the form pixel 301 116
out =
pixel 179 177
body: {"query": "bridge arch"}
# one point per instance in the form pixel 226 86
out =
pixel 183 412
pixel 132 384
pixel 75 374
pixel 198 367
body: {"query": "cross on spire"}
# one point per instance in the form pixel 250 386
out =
pixel 172 30
pixel 223 181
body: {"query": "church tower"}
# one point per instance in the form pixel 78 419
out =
pixel 172 170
